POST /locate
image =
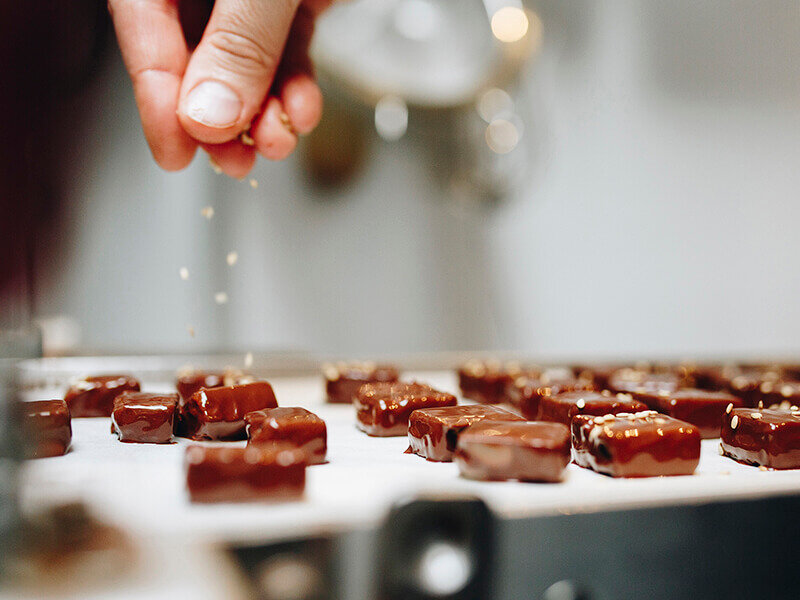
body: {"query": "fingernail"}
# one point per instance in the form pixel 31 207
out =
pixel 213 104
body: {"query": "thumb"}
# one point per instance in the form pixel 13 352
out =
pixel 232 68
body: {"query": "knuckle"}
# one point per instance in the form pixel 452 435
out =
pixel 241 53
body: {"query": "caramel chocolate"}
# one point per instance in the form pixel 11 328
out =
pixel 643 444
pixel 94 396
pixel 702 408
pixel 144 418
pixel 766 437
pixel 560 408
pixel 297 426
pixel 639 382
pixel 757 386
pixel 255 473
pixel 218 413
pixel 383 409
pixel 433 432
pixel 191 381
pixel 525 450
pixel 343 380
pixel 47 427
pixel 526 393
pixel 487 381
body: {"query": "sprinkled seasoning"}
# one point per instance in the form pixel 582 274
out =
pixel 734 421
pixel 581 403
pixel 763 468
pixel 184 273
pixel 246 139
pixel 232 258
pixel 729 408
pixel 756 415
pixel 207 212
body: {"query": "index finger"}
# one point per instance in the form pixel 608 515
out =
pixel 155 54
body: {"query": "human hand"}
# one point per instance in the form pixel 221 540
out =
pixel 249 74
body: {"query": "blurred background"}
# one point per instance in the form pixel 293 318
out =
pixel 564 178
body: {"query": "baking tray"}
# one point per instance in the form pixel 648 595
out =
pixel 140 487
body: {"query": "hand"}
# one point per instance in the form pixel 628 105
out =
pixel 250 72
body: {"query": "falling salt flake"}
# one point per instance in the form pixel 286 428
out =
pixel 190 329
pixel 220 297
pixel 207 212
pixel 214 165
pixel 248 360
pixel 253 183
pixel 184 272
pixel 232 258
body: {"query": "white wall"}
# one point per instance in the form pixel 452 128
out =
pixel 661 217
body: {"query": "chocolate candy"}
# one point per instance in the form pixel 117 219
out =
pixel 256 473
pixel 702 408
pixel 47 427
pixel 144 418
pixel 643 444
pixel 191 381
pixel 754 385
pixel 562 407
pixel 642 382
pixel 383 409
pixel 766 437
pixel 94 396
pixel 486 381
pixel 297 426
pixel 527 392
pixel 343 380
pixel 433 432
pixel 218 413
pixel 528 451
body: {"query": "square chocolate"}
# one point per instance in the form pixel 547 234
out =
pixel 297 426
pixel 524 450
pixel 433 432
pixel 486 381
pixel 144 418
pixel 218 413
pixel 343 379
pixel 702 408
pixel 255 473
pixel 526 392
pixel 190 381
pixel 94 396
pixel 560 408
pixel 383 409
pixel 47 426
pixel 644 382
pixel 765 437
pixel 643 444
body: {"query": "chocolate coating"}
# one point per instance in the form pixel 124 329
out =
pixel 487 381
pixel 191 382
pixel 218 413
pixel 702 408
pixel 645 444
pixel 766 437
pixel 527 392
pixel 433 432
pixel 297 426
pixel 47 426
pixel 256 473
pixel 383 409
pixel 528 451
pixel 144 418
pixel 343 380
pixel 562 407
pixel 94 396
pixel 639 382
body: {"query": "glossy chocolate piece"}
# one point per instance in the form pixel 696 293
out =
pixel 218 413
pixel 266 472
pixel 644 444
pixel 192 381
pixel 383 409
pixel 343 380
pixel 47 427
pixel 702 408
pixel 756 385
pixel 596 374
pixel 525 450
pixel 562 407
pixel 638 382
pixel 526 393
pixel 94 396
pixel 144 418
pixel 486 381
pixel 765 437
pixel 297 426
pixel 433 432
